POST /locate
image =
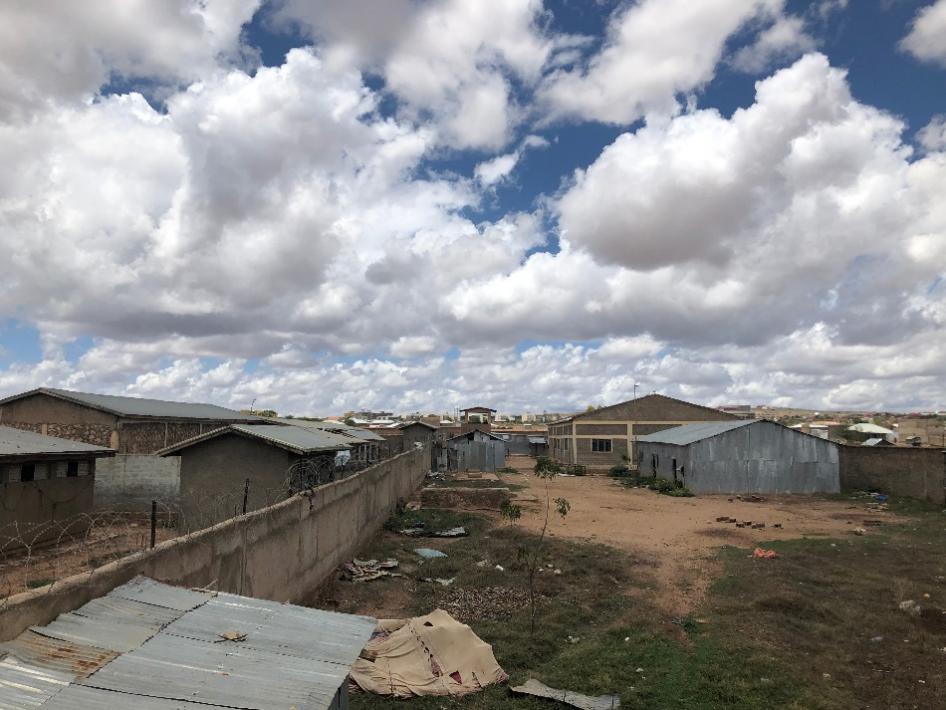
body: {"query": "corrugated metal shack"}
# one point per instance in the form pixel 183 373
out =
pixel 475 450
pixel 747 456
pixel 150 646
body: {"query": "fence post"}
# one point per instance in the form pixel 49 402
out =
pixel 154 521
pixel 246 494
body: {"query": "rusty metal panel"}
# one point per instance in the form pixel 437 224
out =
pixel 56 655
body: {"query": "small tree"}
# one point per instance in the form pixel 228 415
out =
pixel 545 469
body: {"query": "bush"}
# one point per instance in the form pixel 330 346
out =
pixel 669 488
pixel 506 469
pixel 620 471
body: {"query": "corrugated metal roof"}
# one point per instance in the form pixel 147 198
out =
pixel 24 687
pixel 278 628
pixel 143 589
pixel 536 439
pixel 141 407
pixel 227 675
pixel 689 433
pixel 56 655
pixel 17 442
pixel 298 440
pixel 291 657
pixel 341 428
pixel 79 697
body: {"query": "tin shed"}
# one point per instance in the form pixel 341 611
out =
pixel 745 456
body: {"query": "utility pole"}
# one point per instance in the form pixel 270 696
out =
pixel 635 390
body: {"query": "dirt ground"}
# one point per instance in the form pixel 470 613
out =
pixel 677 535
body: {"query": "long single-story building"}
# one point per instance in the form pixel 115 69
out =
pixel 275 460
pixel 134 427
pixel 744 456
pixel 601 438
pixel 45 483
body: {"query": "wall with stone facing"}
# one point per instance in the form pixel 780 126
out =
pixel 897 470
pixel 282 553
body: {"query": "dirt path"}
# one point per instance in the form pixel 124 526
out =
pixel 677 535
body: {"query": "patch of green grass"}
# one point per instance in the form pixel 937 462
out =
pixel 37 583
pixel 478 483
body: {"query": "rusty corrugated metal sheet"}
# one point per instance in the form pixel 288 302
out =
pixel 56 655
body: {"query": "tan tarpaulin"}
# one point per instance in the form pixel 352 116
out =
pixel 427 655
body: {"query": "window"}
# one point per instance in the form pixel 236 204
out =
pixel 72 469
pixel 601 446
pixel 27 471
pixel 565 444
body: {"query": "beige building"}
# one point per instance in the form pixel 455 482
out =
pixel 603 437
pixel 923 431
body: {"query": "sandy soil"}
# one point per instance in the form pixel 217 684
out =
pixel 677 536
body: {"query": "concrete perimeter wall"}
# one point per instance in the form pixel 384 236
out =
pixel 904 471
pixel 132 481
pixel 282 553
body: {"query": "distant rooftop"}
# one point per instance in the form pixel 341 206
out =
pixel 17 442
pixel 141 407
pixel 296 439
pixel 150 646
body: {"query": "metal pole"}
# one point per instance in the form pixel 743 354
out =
pixel 154 521
pixel 246 494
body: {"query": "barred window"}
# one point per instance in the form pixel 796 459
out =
pixel 601 446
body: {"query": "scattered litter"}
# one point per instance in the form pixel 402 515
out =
pixel 452 532
pixel 872 523
pixel 758 526
pixel 368 570
pixel 426 655
pixel 413 505
pixel 776 525
pixel 639 670
pixel 628 638
pixel 826 676
pixel 556 571
pixel 764 554
pixel 429 554
pixel 876 639
pixel 576 700
pixel 574 639
pixel 234 636
pixel 482 563
pixel 436 476
pixel 500 568
pixel 420 530
pixel 755 499
pixel 439 580
pixel 910 607
pixel 859 531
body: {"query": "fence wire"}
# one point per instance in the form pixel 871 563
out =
pixel 35 554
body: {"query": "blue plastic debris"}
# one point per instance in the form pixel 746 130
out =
pixel 429 554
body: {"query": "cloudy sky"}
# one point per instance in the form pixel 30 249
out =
pixel 324 205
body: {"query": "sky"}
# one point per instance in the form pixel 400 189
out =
pixel 320 206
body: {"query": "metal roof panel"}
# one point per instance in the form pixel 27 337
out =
pixel 690 433
pixel 142 407
pixel 17 442
pixel 24 687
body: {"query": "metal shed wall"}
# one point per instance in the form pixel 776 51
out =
pixel 763 457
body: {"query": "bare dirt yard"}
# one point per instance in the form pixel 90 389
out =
pixel 651 598
pixel 678 537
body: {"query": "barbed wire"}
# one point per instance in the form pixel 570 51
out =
pixel 36 554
